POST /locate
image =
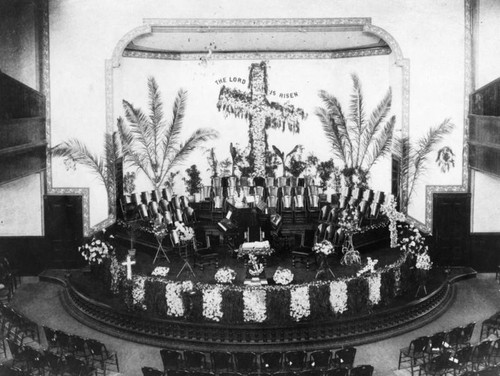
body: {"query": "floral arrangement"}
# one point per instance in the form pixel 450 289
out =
pixel 212 304
pixel 225 275
pixel 255 248
pixel 95 251
pixel 423 261
pixel 173 299
pixel 159 230
pixel 410 239
pixel 283 276
pixel 389 209
pixel 374 284
pixel 160 271
pixel 300 305
pixel 254 305
pixel 138 292
pixel 338 296
pixel 256 268
pixel 184 232
pixel 349 221
pixel 325 248
pixel 351 256
pixel 117 273
pixel 369 268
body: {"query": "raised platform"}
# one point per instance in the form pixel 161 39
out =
pixel 180 333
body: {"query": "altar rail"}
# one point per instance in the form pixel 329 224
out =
pixel 253 337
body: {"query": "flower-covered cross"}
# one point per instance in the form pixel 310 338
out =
pixel 129 264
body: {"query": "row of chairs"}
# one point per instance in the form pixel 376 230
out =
pixel 361 370
pixel 91 352
pixel 490 326
pixel 17 327
pixel 27 360
pixel 250 362
pixel 9 279
pixel 422 349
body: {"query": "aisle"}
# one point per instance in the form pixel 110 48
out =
pixel 476 300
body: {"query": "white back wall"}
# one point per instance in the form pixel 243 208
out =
pixel 84 33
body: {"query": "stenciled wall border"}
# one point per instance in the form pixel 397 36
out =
pixel 240 25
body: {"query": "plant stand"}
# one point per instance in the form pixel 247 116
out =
pixel 323 267
pixel 160 251
pixel 422 282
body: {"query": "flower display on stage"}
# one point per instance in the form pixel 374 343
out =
pixel 173 299
pixel 423 261
pixel 338 296
pixel 95 251
pixel 300 305
pixel 410 239
pixel 117 273
pixel 283 276
pixel 369 268
pixel 159 230
pixel 212 303
pixel 325 248
pixel 389 209
pixel 254 305
pixel 374 283
pixel 256 268
pixel 225 275
pixel 160 271
pixel 185 233
pixel 138 292
pixel 349 221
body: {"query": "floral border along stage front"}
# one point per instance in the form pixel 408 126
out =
pixel 271 304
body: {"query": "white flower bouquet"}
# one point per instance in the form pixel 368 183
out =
pixel 95 251
pixel 160 271
pixel 225 275
pixel 283 276
pixel 256 268
pixel 300 305
pixel 325 247
pixel 423 261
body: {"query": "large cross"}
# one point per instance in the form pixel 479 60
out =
pixel 260 113
pixel 129 264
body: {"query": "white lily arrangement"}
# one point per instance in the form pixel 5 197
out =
pixel 325 247
pixel 95 251
pixel 160 271
pixel 423 261
pixel 283 276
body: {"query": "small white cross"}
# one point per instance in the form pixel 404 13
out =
pixel 129 264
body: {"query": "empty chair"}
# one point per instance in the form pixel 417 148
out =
pixel 453 337
pixel 54 363
pixel 295 360
pixel 51 336
pixel 100 357
pixel 76 367
pixel 195 360
pixel 204 255
pixel 149 371
pixel 171 359
pixel 62 339
pixel 320 359
pixel 490 325
pixel 460 360
pixel 438 365
pixel 436 343
pixel 467 334
pixel 222 361
pixel 494 356
pixel 77 347
pixel 344 357
pixel 414 353
pixel 480 354
pixel 271 361
pixel 362 370
pixel 337 372
pixel 245 362
pixel 304 253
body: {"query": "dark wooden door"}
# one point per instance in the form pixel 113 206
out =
pixel 451 228
pixel 64 230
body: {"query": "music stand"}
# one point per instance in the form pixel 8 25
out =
pixel 183 252
pixel 160 251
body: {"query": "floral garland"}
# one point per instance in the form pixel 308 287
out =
pixel 117 272
pixel 397 281
pixel 212 304
pixel 325 247
pixel 374 283
pixel 389 209
pixel 160 271
pixel 369 268
pixel 173 299
pixel 283 276
pixel 338 296
pixel 300 305
pixel 225 275
pixel 138 292
pixel 254 305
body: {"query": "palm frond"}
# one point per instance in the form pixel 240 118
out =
pixel 357 115
pixel 424 146
pixel 376 118
pixel 382 143
pixel 112 154
pixel 332 134
pixel 278 152
pixel 200 136
pixel 402 151
pixel 336 114
pixel 171 138
pixel 78 151
pixel 293 150
pixel 156 115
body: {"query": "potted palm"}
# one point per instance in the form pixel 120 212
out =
pixel 193 183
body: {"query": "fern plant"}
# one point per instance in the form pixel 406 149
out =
pixel 152 144
pixel 284 157
pixel 359 142
pixel 414 157
pixel 102 166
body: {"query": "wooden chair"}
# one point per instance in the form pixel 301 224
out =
pixel 414 353
pixel 204 255
pixel 304 253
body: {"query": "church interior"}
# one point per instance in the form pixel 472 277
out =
pixel 233 188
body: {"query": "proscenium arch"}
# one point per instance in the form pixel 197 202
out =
pixel 264 25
